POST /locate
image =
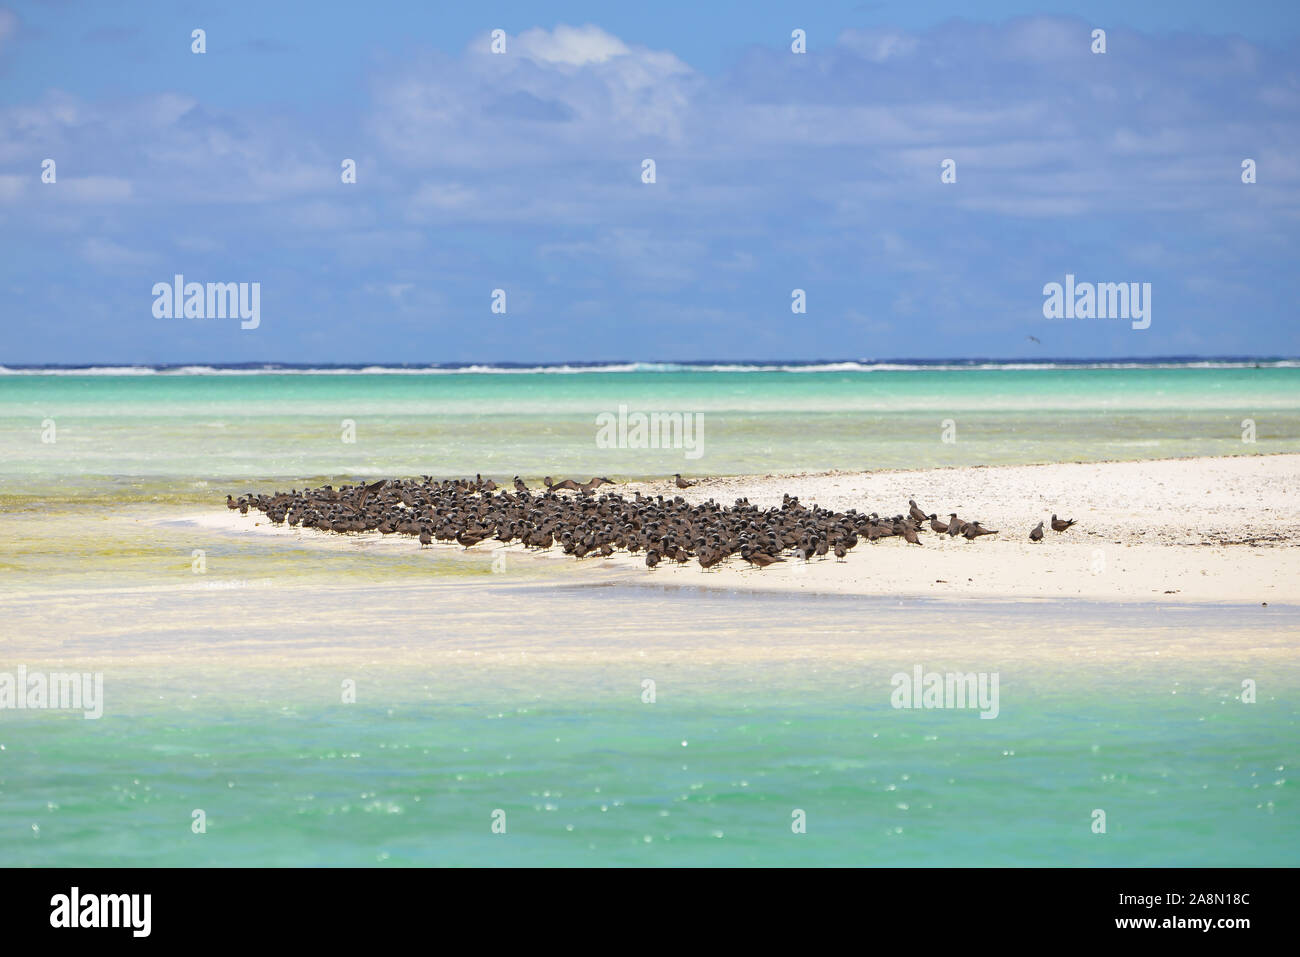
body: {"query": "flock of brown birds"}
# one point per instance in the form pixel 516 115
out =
pixel 586 524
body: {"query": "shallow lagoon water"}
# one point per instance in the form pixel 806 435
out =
pixel 531 700
pixel 522 691
pixel 158 435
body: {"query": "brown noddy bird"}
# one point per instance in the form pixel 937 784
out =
pixel 681 482
pixel 915 511
pixel 1037 534
pixel 1060 525
pixel 937 525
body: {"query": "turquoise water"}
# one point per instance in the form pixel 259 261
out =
pixel 137 434
pixel 763 707
pixel 479 692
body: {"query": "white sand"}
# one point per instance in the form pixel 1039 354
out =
pixel 1175 530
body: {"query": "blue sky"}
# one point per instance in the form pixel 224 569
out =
pixel 522 171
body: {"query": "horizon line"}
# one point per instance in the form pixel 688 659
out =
pixel 590 363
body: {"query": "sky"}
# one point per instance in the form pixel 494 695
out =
pixel 523 171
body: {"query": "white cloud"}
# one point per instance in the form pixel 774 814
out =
pixel 12 187
pixel 444 196
pixel 93 189
pixel 879 46
pixel 109 254
pixel 571 46
pixel 555 131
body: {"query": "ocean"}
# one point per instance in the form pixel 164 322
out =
pixel 312 705
pixel 156 432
